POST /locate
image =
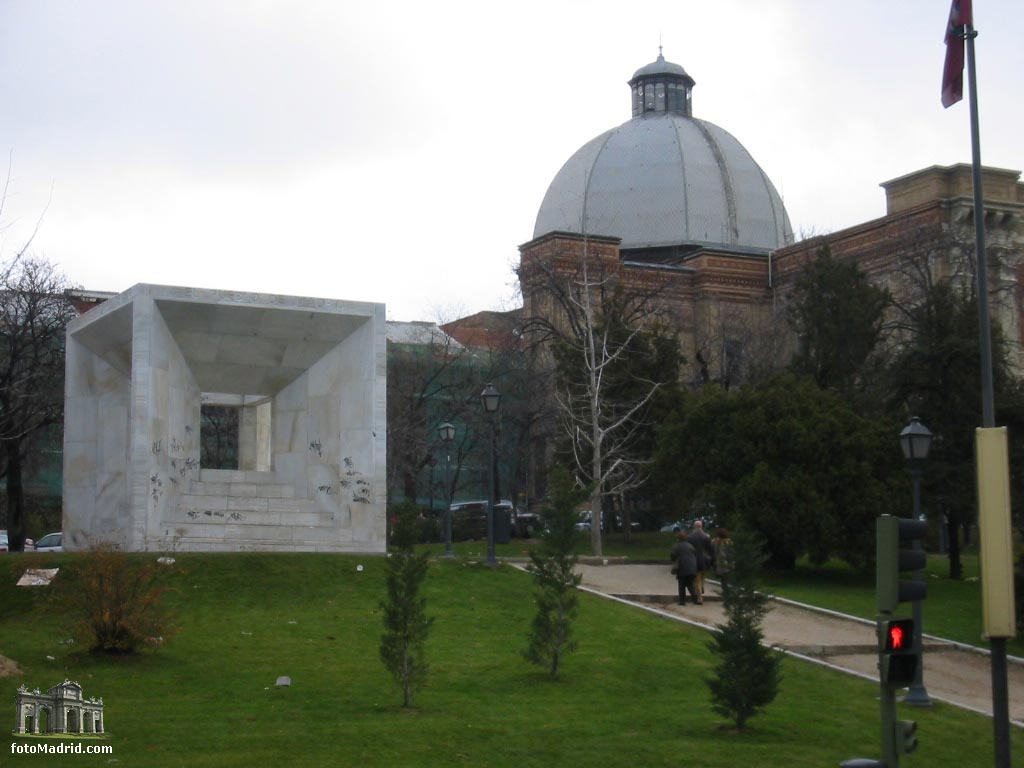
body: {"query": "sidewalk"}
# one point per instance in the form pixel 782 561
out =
pixel 951 673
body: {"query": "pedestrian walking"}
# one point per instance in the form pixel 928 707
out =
pixel 722 547
pixel 701 543
pixel 684 566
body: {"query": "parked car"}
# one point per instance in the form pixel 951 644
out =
pixel 51 542
pixel 5 543
pixel 469 519
pixel 686 524
pixel 525 523
pixel 585 522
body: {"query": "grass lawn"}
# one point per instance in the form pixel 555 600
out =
pixel 631 696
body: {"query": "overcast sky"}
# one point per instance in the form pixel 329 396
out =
pixel 399 151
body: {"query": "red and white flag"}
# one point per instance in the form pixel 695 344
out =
pixel 953 72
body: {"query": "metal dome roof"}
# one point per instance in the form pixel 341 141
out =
pixel 665 178
pixel 658 67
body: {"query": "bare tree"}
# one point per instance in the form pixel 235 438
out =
pixel 429 376
pixel 34 312
pixel 596 331
pixel 733 342
pixel 218 437
pixel 935 349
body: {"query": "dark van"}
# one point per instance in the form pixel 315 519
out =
pixel 469 520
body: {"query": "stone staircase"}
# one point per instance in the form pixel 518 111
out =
pixel 247 510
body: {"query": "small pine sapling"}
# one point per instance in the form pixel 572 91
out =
pixel 553 565
pixel 747 675
pixel 406 624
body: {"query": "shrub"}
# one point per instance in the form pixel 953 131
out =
pixel 747 675
pixel 116 601
pixel 406 622
pixel 553 565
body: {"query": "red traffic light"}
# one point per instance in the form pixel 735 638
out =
pixel 899 636
pixel 898 662
pixel 896 637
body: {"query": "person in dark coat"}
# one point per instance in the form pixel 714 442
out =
pixel 701 543
pixel 684 559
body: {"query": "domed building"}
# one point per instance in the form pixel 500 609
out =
pixel 673 205
pixel 664 182
pixel 676 208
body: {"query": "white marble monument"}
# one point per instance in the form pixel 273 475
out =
pixel 309 379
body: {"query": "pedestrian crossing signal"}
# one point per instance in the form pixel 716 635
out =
pixel 906 736
pixel 897 636
pixel 899 661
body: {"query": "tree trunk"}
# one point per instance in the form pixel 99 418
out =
pixel 15 497
pixel 627 518
pixel 409 486
pixel 595 520
pixel 956 569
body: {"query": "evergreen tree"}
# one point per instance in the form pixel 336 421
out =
pixel 747 676
pixel 787 460
pixel 837 315
pixel 553 565
pixel 405 612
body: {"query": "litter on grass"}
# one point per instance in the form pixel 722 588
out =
pixel 37 577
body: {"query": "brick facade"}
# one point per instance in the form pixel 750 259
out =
pixel 727 304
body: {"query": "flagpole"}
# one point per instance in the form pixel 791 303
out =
pixel 988 418
pixel 1000 686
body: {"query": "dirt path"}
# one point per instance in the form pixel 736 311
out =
pixel 951 673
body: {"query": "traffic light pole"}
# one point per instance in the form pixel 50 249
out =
pixel 890 756
pixel 896 666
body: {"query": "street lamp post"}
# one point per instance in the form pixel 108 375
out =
pixel 916 441
pixel 490 398
pixel 447 433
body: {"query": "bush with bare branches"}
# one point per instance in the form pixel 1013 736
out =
pixel 116 601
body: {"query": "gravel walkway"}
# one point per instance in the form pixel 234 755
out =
pixel 952 672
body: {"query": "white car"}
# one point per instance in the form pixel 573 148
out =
pixel 51 542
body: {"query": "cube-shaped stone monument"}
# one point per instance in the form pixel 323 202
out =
pixel 308 380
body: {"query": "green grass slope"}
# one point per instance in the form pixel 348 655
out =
pixel 633 695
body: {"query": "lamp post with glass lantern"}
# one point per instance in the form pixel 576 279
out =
pixel 490 398
pixel 447 433
pixel 916 441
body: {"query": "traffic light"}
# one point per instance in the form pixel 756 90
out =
pixel 906 736
pixel 893 534
pixel 899 660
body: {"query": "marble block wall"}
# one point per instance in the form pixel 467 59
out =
pixel 95 459
pixel 138 369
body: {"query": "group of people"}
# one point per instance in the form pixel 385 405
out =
pixel 696 553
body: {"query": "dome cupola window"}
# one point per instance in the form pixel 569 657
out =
pixel 661 87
